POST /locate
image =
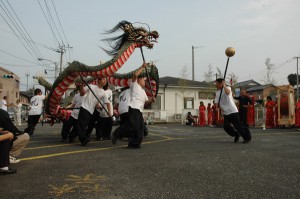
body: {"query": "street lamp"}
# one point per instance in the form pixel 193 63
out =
pixel 193 67
pixel 55 63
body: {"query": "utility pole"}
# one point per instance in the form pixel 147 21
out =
pixel 297 79
pixel 61 50
pixel 27 75
pixel 193 66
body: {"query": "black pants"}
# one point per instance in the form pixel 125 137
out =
pixel 105 125
pixel 123 118
pixel 243 116
pixel 67 126
pixel 84 118
pixel 4 153
pixel 32 121
pixel 134 127
pixel 237 129
pixel 94 124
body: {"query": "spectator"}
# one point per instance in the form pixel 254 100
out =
pixel 190 119
pixel 202 110
pixel 209 114
pixel 20 139
pixel 4 103
pixel 18 110
pixel 5 139
pixel 270 104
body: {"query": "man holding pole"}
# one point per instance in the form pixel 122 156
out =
pixel 93 94
pixel 231 116
pixel 135 123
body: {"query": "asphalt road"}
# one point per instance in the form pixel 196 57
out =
pixel 175 161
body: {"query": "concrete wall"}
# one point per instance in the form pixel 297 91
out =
pixel 172 102
pixel 9 87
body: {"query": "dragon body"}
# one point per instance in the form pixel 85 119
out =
pixel 125 45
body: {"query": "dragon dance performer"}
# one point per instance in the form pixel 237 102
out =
pixel 231 115
pixel 105 119
pixel 36 110
pixel 135 124
pixel 86 111
pixel 72 122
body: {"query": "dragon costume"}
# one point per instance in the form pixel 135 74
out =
pixel 121 50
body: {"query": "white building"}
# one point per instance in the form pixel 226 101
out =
pixel 178 96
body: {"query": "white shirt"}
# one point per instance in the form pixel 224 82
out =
pixel 18 109
pixel 36 105
pixel 124 100
pixel 138 96
pixel 3 105
pixel 107 99
pixel 227 102
pixel 89 101
pixel 77 101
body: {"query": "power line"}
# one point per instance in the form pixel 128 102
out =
pixel 25 37
pixel 16 57
pixel 51 18
pixel 53 34
pixel 60 22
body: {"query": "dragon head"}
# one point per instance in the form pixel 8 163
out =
pixel 138 35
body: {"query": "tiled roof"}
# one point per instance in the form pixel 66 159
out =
pixel 173 81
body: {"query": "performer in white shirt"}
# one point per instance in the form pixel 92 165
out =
pixel 231 115
pixel 89 103
pixel 135 124
pixel 36 110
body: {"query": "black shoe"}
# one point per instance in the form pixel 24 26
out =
pixel 87 140
pixel 246 141
pixel 114 138
pixel 130 146
pixel 7 172
pixel 63 140
pixel 236 139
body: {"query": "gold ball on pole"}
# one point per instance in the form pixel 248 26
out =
pixel 230 51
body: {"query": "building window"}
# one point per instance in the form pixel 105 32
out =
pixel 188 103
pixel 206 94
pixel 17 84
pixel 155 105
pixel 17 95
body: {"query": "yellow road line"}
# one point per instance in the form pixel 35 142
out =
pixel 84 151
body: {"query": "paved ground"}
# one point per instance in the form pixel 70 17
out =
pixel 174 162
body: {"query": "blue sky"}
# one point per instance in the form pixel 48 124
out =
pixel 257 29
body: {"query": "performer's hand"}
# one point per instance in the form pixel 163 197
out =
pixel 224 83
pixel 144 65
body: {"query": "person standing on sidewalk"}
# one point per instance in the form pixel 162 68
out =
pixel 18 110
pixel 231 116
